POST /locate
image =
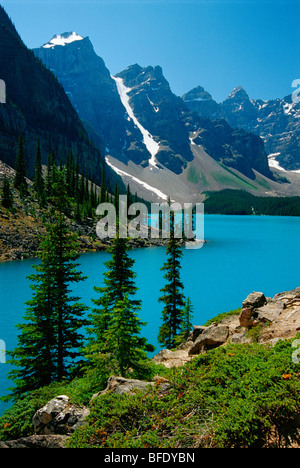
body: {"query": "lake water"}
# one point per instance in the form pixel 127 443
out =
pixel 243 254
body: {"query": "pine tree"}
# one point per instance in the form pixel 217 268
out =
pixel 123 339
pixel 7 196
pixel 20 181
pixel 76 179
pixel 116 198
pixel 52 173
pixel 103 193
pixel 186 324
pixel 38 181
pixel 50 338
pixel 173 297
pixel 115 325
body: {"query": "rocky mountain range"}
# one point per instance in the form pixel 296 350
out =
pixel 275 121
pixel 161 144
pixel 164 145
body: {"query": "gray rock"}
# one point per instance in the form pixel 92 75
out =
pixel 211 337
pixel 58 416
pixel 270 311
pixel 255 299
pixel 120 386
pixel 248 315
pixel 37 441
pixel 197 330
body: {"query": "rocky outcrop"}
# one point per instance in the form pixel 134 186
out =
pixel 275 318
pixel 121 386
pixel 37 441
pixel 250 304
pixel 59 416
pixel 211 337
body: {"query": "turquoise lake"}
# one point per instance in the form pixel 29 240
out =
pixel 242 254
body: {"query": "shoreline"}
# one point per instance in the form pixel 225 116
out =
pixel 14 255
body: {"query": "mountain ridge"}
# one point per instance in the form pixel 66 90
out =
pixel 276 121
pixel 152 137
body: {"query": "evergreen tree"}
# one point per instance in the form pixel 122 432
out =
pixel 20 181
pixel 7 196
pixel 128 196
pixel 115 325
pixel 116 198
pixel 103 193
pixel 52 173
pixel 123 339
pixel 173 297
pixel 186 324
pixel 76 179
pixel 50 338
pixel 38 181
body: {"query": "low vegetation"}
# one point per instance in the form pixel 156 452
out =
pixel 238 396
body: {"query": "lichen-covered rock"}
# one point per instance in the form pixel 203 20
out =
pixel 59 416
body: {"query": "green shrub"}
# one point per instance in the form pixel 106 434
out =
pixel 223 315
pixel 239 396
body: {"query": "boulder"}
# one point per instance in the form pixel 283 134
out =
pixel 254 300
pixel 173 358
pixel 246 318
pixel 270 311
pixel 121 385
pixel 250 304
pixel 211 337
pixel 59 416
pixel 37 441
pixel 197 330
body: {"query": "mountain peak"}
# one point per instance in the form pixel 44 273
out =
pixel 62 39
pixel 239 93
pixel 197 94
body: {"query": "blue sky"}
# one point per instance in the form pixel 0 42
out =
pixel 216 44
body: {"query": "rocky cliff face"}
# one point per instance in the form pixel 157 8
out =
pixel 37 105
pixel 160 113
pixel 275 121
pixel 91 90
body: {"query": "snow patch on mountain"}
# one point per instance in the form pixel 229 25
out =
pixel 151 145
pixel 62 40
pixel 274 163
pixel 121 173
